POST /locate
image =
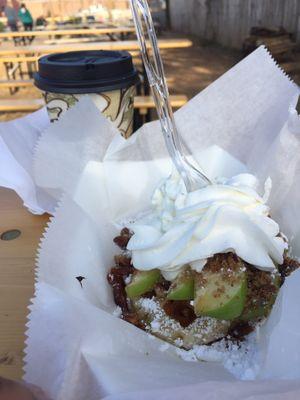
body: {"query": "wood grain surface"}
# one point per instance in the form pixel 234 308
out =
pixel 17 260
pixel 140 102
pixel 228 22
pixel 67 32
pixel 39 49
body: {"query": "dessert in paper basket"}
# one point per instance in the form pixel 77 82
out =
pixel 201 266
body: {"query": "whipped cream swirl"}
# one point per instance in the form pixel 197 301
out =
pixel 188 228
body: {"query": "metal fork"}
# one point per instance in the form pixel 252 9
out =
pixel 192 177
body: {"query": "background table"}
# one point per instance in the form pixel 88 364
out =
pixel 129 45
pixel 67 32
pixel 17 261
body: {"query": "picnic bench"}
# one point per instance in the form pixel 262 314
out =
pixel 18 83
pixel 23 83
pixel 28 56
pixel 130 45
pixel 142 103
pixel 109 31
pixel 143 106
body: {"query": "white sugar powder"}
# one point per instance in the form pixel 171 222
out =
pixel 149 305
pixel 239 359
pixel 117 312
pixel 127 280
pixel 164 347
pixel 155 326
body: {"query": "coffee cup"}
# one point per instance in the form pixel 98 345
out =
pixel 108 77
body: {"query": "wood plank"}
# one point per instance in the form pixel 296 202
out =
pixel 17 260
pixel 129 45
pixel 10 105
pixel 19 83
pixel 147 101
pixel 291 67
pixel 274 40
pixel 71 40
pixel 64 32
pixel 16 83
pixel 21 59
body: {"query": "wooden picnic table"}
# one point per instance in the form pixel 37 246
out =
pixel 64 32
pixel 129 45
pixel 17 261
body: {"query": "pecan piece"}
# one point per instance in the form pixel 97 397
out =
pixel 161 288
pixel 122 261
pixel 122 271
pixel 118 286
pixel 123 239
pixel 181 311
pixel 241 329
pixel 133 318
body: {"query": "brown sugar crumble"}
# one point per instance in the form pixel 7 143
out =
pixel 260 283
pixel 289 265
pixel 224 263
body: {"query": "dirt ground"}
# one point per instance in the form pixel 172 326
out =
pixel 189 71
pixel 192 70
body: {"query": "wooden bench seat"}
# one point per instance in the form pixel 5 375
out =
pixel 14 105
pixel 71 40
pixel 140 102
pixel 36 50
pixel 144 103
pixel 18 83
pixel 67 32
pixel 21 83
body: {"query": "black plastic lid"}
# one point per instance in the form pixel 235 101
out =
pixel 85 72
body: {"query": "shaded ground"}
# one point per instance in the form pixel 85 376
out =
pixel 195 68
pixel 190 71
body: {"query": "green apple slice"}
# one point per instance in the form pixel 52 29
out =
pixel 183 287
pixel 220 295
pixel 142 282
pixel 261 295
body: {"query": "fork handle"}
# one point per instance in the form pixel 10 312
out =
pixel 156 77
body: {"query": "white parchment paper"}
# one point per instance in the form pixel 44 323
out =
pixel 89 352
pixel 18 139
